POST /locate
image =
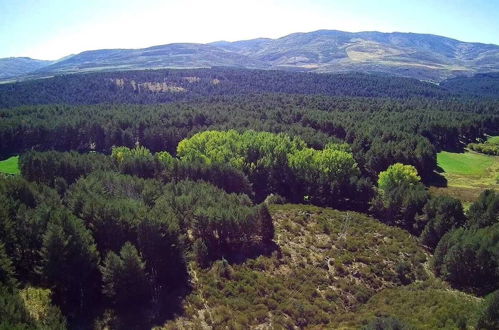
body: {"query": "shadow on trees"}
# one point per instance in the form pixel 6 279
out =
pixel 436 179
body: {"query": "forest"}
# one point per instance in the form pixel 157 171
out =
pixel 180 198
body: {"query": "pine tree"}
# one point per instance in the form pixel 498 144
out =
pixel 69 261
pixel 125 281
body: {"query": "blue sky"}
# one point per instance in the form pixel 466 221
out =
pixel 50 29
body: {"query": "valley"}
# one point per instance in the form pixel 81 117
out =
pixel 234 198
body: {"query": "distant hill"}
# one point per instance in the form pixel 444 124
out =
pixel 420 56
pixel 170 85
pixel 19 66
pixel 483 84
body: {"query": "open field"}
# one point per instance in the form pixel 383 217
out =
pixel 10 165
pixel 493 140
pixel 467 174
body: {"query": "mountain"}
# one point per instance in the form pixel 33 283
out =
pixel 182 55
pixel 18 66
pixel 421 56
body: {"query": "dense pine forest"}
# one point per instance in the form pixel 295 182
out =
pixel 226 198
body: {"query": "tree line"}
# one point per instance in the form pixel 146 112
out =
pixel 128 86
pixel 380 131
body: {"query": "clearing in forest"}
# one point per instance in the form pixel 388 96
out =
pixel 10 165
pixel 467 174
pixel 327 264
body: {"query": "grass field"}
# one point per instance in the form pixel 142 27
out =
pixel 10 165
pixel 467 174
pixel 493 140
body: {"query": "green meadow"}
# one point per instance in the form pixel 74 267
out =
pixel 493 140
pixel 10 165
pixel 467 174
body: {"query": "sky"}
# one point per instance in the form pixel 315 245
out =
pixel 51 29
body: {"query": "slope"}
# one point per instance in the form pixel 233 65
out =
pixel 327 263
pixel 421 56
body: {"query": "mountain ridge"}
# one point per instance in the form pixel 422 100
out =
pixel 421 56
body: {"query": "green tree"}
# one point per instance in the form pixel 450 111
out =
pixel 7 277
pixel 69 260
pixel 125 281
pixel 441 215
pixel 386 323
pixel 489 316
pixel 401 197
pixel 397 175
pixel 485 210
pixel 469 258
pixel 29 308
pixel 160 244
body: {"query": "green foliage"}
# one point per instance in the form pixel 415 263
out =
pixel 139 161
pixel 223 176
pixel 30 308
pixel 69 261
pixel 112 205
pixel 312 279
pixel 417 306
pixel 485 148
pixel 441 214
pixel 6 269
pixel 24 213
pixel 125 280
pixel 490 147
pixel 228 224
pixel 161 244
pixel 276 163
pixel 397 175
pixel 469 258
pixel 250 151
pixel 401 197
pixel 485 211
pixel 292 266
pixel 386 323
pixel 322 166
pixel 489 317
pixel 55 168
pixel 38 304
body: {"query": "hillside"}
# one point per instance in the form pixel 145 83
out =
pixel 19 66
pixel 420 56
pixel 484 84
pixel 161 86
pixel 327 264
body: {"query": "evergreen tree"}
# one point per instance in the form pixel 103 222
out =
pixel 441 215
pixel 69 262
pixel 125 281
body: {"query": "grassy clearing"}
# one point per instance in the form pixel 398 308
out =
pixel 467 174
pixel 493 140
pixel 468 163
pixel 328 263
pixel 10 165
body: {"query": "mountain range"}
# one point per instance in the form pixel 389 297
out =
pixel 421 56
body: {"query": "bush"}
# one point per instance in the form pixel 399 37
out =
pixel 489 316
pixel 386 323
